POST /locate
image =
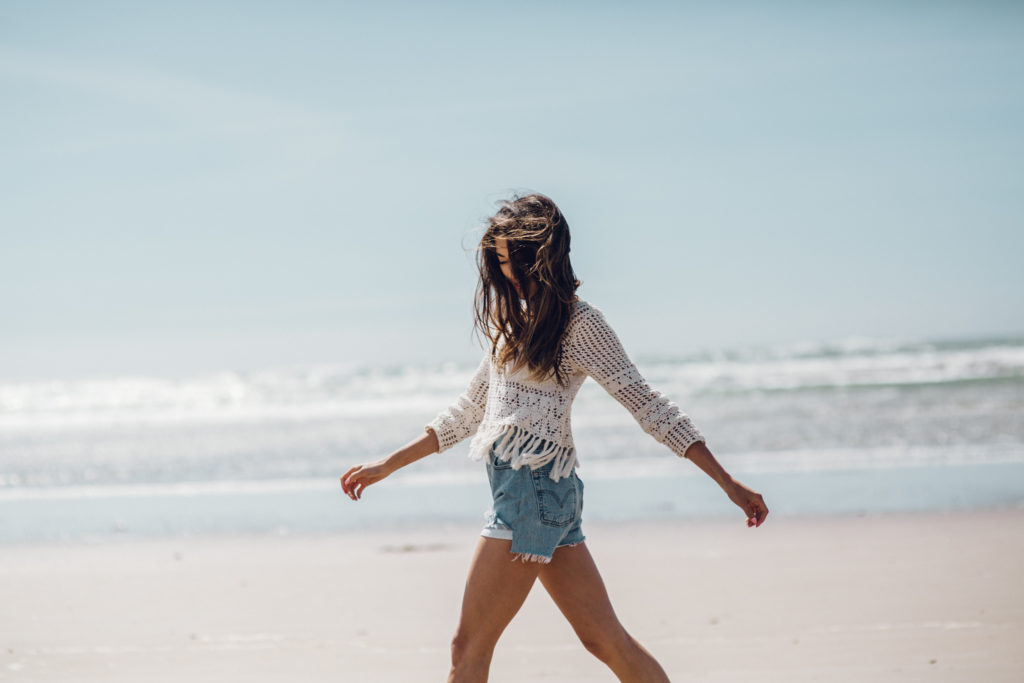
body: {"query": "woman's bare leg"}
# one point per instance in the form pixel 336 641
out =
pixel 496 588
pixel 575 585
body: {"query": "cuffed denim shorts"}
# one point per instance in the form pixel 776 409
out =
pixel 538 515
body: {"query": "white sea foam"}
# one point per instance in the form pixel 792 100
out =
pixel 896 368
pixel 328 392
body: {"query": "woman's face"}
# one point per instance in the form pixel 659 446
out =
pixel 501 247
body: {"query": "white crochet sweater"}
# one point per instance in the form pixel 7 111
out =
pixel 539 412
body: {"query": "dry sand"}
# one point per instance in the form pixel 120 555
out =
pixel 896 598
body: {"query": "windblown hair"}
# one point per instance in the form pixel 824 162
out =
pixel 526 334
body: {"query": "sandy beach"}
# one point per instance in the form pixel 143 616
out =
pixel 888 598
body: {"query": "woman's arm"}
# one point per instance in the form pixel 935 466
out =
pixel 749 501
pixel 451 426
pixel 462 418
pixel 359 477
pixel 597 350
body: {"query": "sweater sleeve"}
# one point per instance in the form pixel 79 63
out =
pixel 461 418
pixel 596 349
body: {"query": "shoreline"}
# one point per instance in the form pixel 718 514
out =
pixel 460 527
pixel 908 596
pixel 318 506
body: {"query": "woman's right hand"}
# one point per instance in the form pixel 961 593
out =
pixel 355 481
pixel 359 477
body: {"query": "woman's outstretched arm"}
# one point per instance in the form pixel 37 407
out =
pixel 359 477
pixel 453 425
pixel 749 501
pixel 597 350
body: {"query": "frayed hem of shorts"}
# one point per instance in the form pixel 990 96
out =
pixel 530 557
pixel 571 545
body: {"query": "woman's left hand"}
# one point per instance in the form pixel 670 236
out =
pixel 750 502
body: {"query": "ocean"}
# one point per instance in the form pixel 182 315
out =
pixel 857 427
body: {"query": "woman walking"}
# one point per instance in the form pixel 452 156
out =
pixel 544 341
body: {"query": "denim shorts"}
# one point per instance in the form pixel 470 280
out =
pixel 537 514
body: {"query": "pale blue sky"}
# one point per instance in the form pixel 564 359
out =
pixel 196 186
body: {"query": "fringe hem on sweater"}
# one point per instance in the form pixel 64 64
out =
pixel 522 448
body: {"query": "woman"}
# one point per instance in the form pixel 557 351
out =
pixel 544 341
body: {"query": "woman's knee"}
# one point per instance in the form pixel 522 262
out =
pixel 460 646
pixel 607 645
pixel 469 646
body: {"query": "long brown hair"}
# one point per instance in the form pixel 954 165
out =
pixel 538 246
